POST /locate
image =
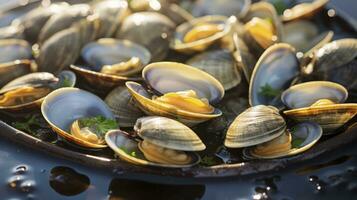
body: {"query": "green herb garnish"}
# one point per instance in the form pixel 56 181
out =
pixel 296 143
pixel 66 82
pixel 268 91
pixel 99 125
pixel 208 160
pixel 26 126
pixel 132 153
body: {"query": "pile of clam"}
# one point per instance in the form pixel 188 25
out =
pixel 164 67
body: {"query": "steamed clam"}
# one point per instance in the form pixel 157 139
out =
pixel 67 109
pixel 254 126
pixel 14 49
pixel 185 93
pixel 198 34
pixel 163 142
pixel 112 62
pixel 220 64
pixel 262 27
pixel 149 29
pixel 11 70
pixel 321 102
pixel 238 8
pixel 296 140
pixel 28 91
pixel 273 73
pixel 304 10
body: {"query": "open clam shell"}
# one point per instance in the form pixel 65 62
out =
pixel 11 70
pixel 178 43
pixel 63 106
pixel 273 73
pixel 220 64
pixel 303 137
pixel 254 126
pixel 122 104
pixel 125 145
pixel 37 79
pixel 228 8
pixel 305 94
pixel 165 77
pixel 304 10
pixel 147 105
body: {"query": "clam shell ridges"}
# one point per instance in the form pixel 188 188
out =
pixel 254 126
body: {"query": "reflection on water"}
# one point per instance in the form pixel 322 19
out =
pixel 67 181
pixel 131 189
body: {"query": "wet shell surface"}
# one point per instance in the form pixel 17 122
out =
pixel 220 64
pixel 126 147
pixel 11 70
pixel 228 8
pixel 305 94
pixel 254 126
pixel 14 49
pixel 63 106
pixel 303 137
pixel 122 104
pixel 304 10
pixel 273 73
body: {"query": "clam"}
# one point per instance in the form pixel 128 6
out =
pixel 112 62
pixel 173 11
pixel 11 32
pixel 298 139
pixel 185 93
pixel 262 27
pixel 244 58
pixel 228 8
pixel 11 70
pixel 33 21
pixel 321 102
pixel 335 61
pixel 198 34
pixel 63 107
pixel 304 10
pixel 220 64
pixel 254 126
pixel 273 73
pixel 63 20
pixel 122 104
pixel 305 36
pixel 149 29
pixel 63 48
pixel 28 91
pixel 161 142
pixel 14 49
pixel 111 14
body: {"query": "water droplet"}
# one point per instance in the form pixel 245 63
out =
pixel 21 169
pixel 313 178
pixel 28 186
pixel 15 181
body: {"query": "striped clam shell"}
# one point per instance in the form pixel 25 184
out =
pixel 254 126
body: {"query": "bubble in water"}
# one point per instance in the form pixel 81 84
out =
pixel 313 178
pixel 28 186
pixel 15 181
pixel 21 169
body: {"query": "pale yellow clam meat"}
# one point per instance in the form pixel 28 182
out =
pixel 279 145
pixel 163 155
pixel 186 100
pixel 84 133
pixel 23 95
pixel 202 31
pixel 262 30
pixel 127 68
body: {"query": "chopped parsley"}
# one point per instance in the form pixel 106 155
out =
pixel 99 125
pixel 26 125
pixel 131 153
pixel 268 91
pixel 296 143
pixel 208 161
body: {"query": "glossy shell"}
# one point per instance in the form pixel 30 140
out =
pixel 309 132
pixel 107 51
pixel 276 68
pixel 11 70
pixel 308 11
pixel 63 106
pixel 14 49
pixel 199 45
pixel 166 77
pixel 150 29
pixel 220 64
pixel 227 8
pixel 148 106
pixel 123 144
pixel 305 94
pixel 37 79
pixel 254 126
pixel 122 104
